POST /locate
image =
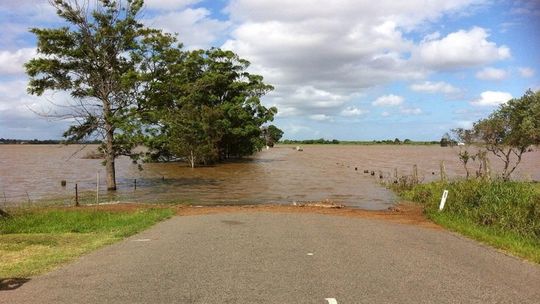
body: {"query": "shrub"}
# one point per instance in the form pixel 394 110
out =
pixel 512 206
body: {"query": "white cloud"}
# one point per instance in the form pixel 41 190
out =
pixel 169 4
pixel 434 87
pixel 320 117
pixel 342 48
pixel 526 72
pixel 385 114
pixel 410 111
pixel 491 74
pixel 13 62
pixel 296 129
pixel 195 27
pixel 492 98
pixel 461 49
pixel 388 100
pixel 353 111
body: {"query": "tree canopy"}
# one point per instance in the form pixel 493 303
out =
pixel 209 110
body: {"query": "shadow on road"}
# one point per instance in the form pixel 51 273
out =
pixel 12 283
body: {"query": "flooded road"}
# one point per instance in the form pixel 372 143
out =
pixel 278 175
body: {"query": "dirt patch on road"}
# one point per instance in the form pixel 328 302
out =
pixel 403 213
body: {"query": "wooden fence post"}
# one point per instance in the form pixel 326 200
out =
pixel 443 172
pixel 415 174
pixel 76 195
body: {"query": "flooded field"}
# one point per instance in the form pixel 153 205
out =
pixel 279 175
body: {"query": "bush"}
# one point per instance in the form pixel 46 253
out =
pixel 510 206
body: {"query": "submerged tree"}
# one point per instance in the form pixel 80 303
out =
pixel 507 133
pixel 511 130
pixel 272 135
pixel 208 108
pixel 95 58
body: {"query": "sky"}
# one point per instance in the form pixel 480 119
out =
pixel 343 69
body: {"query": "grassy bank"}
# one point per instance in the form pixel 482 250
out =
pixel 505 215
pixel 35 240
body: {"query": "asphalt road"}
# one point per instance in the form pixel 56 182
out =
pixel 287 258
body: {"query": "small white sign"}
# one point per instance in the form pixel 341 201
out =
pixel 443 200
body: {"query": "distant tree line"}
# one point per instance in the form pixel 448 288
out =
pixel 320 141
pixel 323 141
pixel 132 85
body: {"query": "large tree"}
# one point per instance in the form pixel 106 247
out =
pixel 96 58
pixel 208 108
pixel 509 132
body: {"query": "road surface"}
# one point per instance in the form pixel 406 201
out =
pixel 287 258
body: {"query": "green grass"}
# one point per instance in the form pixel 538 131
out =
pixel 505 215
pixel 36 240
pixel 507 241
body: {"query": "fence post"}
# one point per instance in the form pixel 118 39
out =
pixel 135 184
pixel 487 173
pixel 443 172
pixel 415 174
pixel 97 188
pixel 76 195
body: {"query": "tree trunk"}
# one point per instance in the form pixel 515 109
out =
pixel 109 159
pixel 192 159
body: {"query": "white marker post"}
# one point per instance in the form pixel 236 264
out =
pixel 331 301
pixel 443 200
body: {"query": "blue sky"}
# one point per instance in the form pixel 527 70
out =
pixel 344 69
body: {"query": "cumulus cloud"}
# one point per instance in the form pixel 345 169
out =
pixel 169 4
pixel 492 98
pixel 491 74
pixel 461 49
pixel 194 26
pixel 341 48
pixel 434 87
pixel 320 117
pixel 388 101
pixel 353 111
pixel 29 116
pixel 526 72
pixel 13 62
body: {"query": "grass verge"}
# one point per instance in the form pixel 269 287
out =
pixel 505 215
pixel 36 240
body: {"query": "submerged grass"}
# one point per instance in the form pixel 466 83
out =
pixel 36 240
pixel 503 214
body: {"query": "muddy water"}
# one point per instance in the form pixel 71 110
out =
pixel 278 175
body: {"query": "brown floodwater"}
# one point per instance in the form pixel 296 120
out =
pixel 277 175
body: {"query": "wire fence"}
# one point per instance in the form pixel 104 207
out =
pixel 82 192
